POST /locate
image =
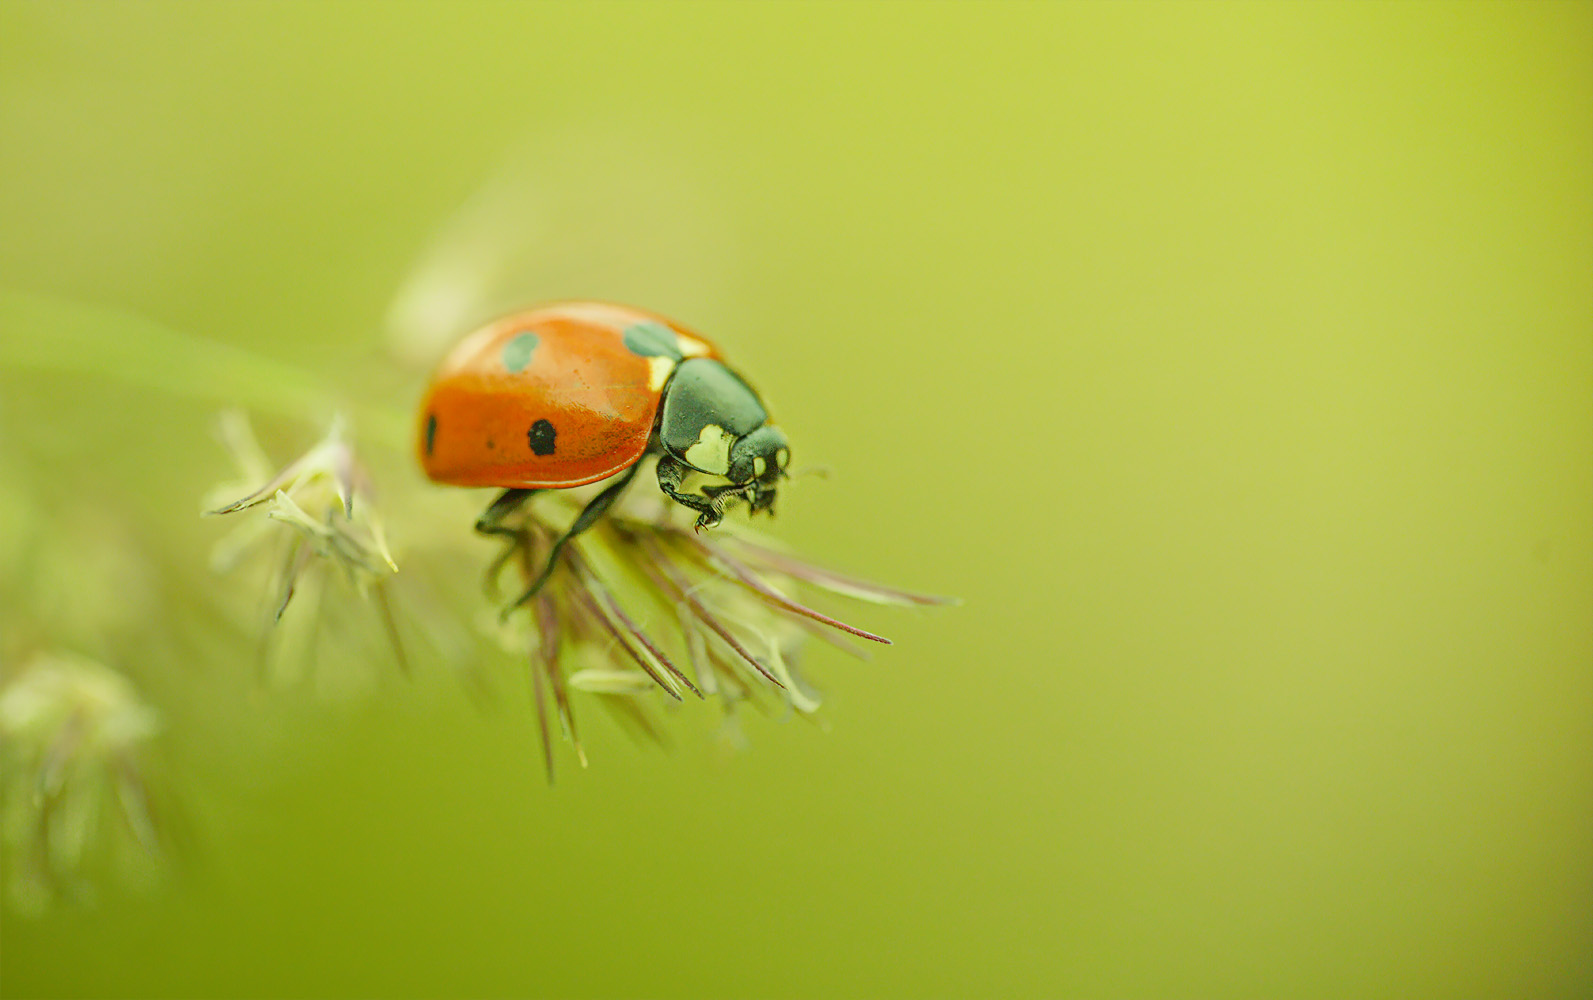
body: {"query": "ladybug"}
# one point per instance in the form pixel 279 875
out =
pixel 573 392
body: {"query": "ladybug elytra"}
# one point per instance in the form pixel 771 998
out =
pixel 575 392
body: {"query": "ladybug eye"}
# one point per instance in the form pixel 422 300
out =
pixel 783 457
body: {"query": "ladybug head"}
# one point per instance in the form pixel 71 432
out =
pixel 758 460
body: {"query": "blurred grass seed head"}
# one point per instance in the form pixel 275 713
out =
pixel 74 739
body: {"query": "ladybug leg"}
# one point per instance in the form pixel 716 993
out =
pixel 491 523
pixel 589 516
pixel 728 492
pixel 507 504
pixel 710 509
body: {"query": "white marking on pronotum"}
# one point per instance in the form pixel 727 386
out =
pixel 711 453
pixel 691 346
pixel 658 369
pixel 759 466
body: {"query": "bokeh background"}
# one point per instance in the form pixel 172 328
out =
pixel 1232 362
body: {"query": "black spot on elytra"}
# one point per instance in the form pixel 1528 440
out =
pixel 431 432
pixel 541 437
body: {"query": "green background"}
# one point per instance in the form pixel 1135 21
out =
pixel 1233 363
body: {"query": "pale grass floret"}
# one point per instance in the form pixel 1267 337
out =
pixel 315 513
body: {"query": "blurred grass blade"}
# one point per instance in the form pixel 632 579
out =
pixel 46 334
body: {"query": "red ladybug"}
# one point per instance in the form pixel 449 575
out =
pixel 574 392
